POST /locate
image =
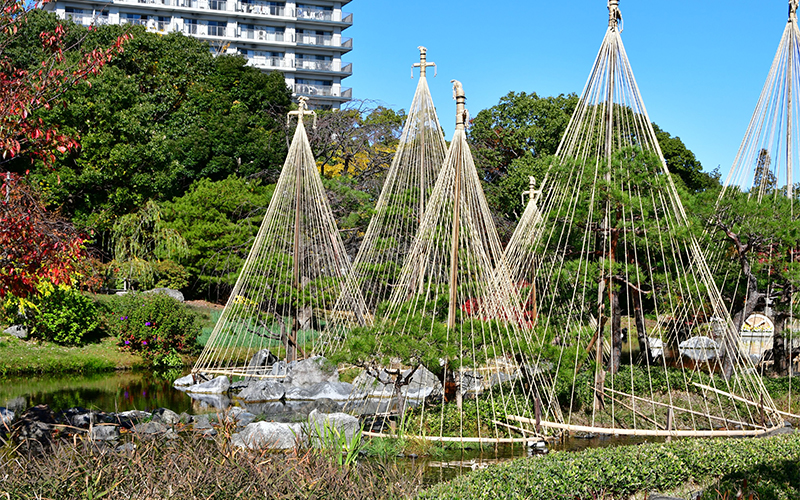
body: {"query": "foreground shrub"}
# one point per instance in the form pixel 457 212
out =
pixel 191 468
pixel 620 472
pixel 156 326
pixel 59 314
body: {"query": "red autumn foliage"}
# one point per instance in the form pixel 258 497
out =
pixel 35 244
pixel 24 91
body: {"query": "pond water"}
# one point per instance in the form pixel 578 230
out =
pixel 138 390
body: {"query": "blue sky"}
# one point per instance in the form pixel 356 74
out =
pixel 700 64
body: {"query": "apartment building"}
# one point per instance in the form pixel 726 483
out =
pixel 302 40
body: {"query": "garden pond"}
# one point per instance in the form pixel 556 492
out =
pixel 142 390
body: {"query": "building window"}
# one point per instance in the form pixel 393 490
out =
pixel 260 7
pixel 136 19
pixel 190 26
pixel 266 33
pixel 76 15
pixel 216 28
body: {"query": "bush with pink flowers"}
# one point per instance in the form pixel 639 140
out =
pixel 154 325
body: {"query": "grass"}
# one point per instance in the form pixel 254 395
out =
pixel 35 356
pixel 191 467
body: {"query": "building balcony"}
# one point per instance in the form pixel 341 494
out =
pixel 134 22
pixel 86 19
pixel 313 65
pixel 317 14
pixel 347 18
pixel 262 8
pixel 216 30
pixel 324 66
pixel 262 62
pixel 321 91
pixel 262 35
pixel 325 40
pixel 218 5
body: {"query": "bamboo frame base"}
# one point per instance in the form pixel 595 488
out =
pixel 452 439
pixel 644 432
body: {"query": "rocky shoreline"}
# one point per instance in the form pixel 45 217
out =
pixel 41 426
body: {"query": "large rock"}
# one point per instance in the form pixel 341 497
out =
pixel 80 417
pixel 269 435
pixel 262 391
pixel 422 384
pixel 166 416
pixel 6 418
pixel 150 428
pixel 337 391
pixel 184 383
pixel 104 433
pixel 260 361
pixel 175 294
pixel 312 371
pixel 217 385
pixel 19 331
pixel 327 428
pixel 17 405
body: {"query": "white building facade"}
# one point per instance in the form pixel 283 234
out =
pixel 303 40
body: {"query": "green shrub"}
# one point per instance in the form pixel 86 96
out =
pixel 154 325
pixel 170 274
pixel 59 314
pixel 622 471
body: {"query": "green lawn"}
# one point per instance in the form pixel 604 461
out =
pixel 36 356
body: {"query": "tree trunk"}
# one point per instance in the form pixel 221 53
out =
pixel 752 296
pixel 450 386
pixel 641 329
pixel 779 346
pixel 616 333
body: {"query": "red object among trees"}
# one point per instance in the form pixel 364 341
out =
pixel 35 244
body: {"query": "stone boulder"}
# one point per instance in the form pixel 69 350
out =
pixel 150 428
pixel 422 384
pixel 260 361
pixel 17 405
pixel 324 428
pixel 6 417
pixel 169 292
pixel 166 416
pixel 217 385
pixel 262 391
pixel 19 331
pixel 311 371
pixel 104 433
pixel 184 383
pixel 269 435
pixel 80 417
pixel 337 391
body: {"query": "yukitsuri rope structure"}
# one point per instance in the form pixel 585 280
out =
pixel 400 207
pixel 762 181
pixel 293 276
pixel 451 344
pixel 617 290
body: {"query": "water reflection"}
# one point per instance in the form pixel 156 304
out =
pixel 116 391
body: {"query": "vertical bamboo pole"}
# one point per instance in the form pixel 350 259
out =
pixel 451 316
